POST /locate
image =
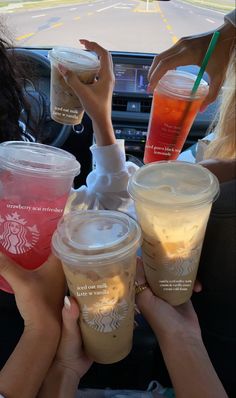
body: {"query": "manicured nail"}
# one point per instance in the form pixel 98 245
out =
pixel 67 303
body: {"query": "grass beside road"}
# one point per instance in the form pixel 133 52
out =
pixel 34 4
pixel 220 5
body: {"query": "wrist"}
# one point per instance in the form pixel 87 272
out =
pixel 60 381
pixel 104 132
pixel 172 338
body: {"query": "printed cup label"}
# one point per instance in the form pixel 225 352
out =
pixel 105 315
pixel 17 236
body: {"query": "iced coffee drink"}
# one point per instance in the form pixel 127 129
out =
pixel 65 105
pixel 173 202
pixel 98 253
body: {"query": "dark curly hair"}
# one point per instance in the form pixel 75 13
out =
pixel 12 99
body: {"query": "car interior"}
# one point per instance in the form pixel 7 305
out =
pixel 131 106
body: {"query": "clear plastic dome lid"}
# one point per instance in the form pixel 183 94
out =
pixel 74 58
pixel 173 184
pixel 94 235
pixel 179 84
pixel 37 159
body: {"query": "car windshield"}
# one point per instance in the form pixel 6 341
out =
pixel 139 26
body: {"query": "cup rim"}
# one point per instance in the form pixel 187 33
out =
pixel 73 167
pixel 60 242
pixel 172 91
pixel 210 195
pixel 55 55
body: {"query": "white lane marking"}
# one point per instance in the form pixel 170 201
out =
pixel 38 16
pixel 73 8
pixel 202 8
pixel 105 8
pixel 122 8
pixel 210 20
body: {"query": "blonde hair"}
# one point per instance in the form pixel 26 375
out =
pixel 223 145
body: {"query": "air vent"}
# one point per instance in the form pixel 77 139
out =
pixel 146 105
pixel 119 104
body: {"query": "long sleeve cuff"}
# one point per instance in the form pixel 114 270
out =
pixel 110 158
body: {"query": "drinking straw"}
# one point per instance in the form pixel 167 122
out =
pixel 205 61
pixel 203 66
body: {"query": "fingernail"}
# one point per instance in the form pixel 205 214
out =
pixel 67 303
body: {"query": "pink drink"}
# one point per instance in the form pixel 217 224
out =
pixel 35 183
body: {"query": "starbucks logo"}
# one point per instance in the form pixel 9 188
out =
pixel 106 315
pixel 184 264
pixel 15 235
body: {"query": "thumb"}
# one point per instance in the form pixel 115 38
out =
pixel 72 80
pixel 71 342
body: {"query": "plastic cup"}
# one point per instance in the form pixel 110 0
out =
pixel 98 253
pixel 172 114
pixel 65 105
pixel 173 202
pixel 35 181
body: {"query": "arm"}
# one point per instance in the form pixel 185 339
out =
pixel 191 50
pixel 179 335
pixel 107 183
pixel 41 311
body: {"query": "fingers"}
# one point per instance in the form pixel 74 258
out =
pixel 12 272
pixel 104 56
pixel 164 64
pixel 71 340
pixel 72 80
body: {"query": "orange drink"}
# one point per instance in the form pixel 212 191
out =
pixel 172 115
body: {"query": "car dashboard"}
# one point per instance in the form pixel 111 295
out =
pixel 131 104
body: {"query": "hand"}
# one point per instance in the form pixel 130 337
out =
pixel 70 362
pixel 96 98
pixel 165 320
pixel 70 354
pixel 190 51
pixel 39 294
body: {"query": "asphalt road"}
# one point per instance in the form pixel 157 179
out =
pixel 125 26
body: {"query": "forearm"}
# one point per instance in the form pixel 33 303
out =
pixel 104 133
pixel 60 383
pixel 26 368
pixel 190 368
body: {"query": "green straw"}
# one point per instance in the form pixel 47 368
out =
pixel 205 61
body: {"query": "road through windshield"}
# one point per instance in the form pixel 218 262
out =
pixel 139 26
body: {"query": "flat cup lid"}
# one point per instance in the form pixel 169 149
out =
pixel 92 236
pixel 173 184
pixel 37 159
pixel 74 58
pixel 176 83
